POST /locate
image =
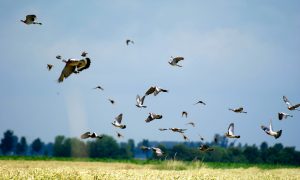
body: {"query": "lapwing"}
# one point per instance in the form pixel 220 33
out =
pixel 282 115
pixel 153 116
pixel 269 130
pixel 140 101
pixel 90 135
pixel 118 121
pixel 238 110
pixel 174 60
pixel 290 106
pixel 230 132
pixel 74 66
pixel 31 19
pixel 155 90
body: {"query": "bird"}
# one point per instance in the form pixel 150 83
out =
pixel 230 132
pixel 157 151
pixel 119 135
pixel 83 54
pixel 140 101
pixel 74 66
pixel 31 19
pixel 162 129
pixel 99 87
pixel 238 110
pixel 118 121
pixel 200 102
pixel 282 115
pixel 58 57
pixel 185 137
pixel 177 130
pixel 201 138
pixel 290 106
pixel 269 130
pixel 145 148
pixel 174 60
pixel 90 135
pixel 129 41
pixel 49 66
pixel 155 90
pixel 111 101
pixel 205 148
pixel 184 113
pixel 191 123
pixel 153 116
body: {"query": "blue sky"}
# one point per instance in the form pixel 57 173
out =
pixel 237 53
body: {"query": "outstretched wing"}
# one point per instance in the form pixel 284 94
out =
pixel 266 129
pixel 177 59
pixel 231 129
pixel 138 99
pixel 66 72
pixel 150 90
pixel 31 17
pixel 119 118
pixel 287 102
pixel 85 135
pixel 271 129
pixel 84 64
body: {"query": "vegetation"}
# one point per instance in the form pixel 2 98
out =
pixel 18 169
pixel 107 149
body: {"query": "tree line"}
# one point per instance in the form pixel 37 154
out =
pixel 108 147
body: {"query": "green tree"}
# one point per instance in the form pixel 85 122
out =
pixel 58 148
pixel 21 148
pixel 7 143
pixel 37 146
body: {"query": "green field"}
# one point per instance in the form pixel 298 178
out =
pixel 53 169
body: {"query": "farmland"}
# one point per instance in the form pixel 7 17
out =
pixel 53 169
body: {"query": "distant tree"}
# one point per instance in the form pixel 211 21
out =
pixel 264 151
pixel 21 148
pixel 7 143
pixel 130 148
pixel 58 148
pixel 78 148
pixel 252 154
pixel 107 147
pixel 36 146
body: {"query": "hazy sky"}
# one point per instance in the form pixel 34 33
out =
pixel 237 53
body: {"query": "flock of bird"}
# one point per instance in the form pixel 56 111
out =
pixel 77 65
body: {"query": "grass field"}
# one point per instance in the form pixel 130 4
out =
pixel 38 169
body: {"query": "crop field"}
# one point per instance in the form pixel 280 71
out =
pixel 24 169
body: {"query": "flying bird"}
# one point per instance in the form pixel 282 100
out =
pixel 191 123
pixel 201 138
pixel 290 106
pixel 73 66
pixel 238 110
pixel 111 101
pixel 152 117
pixel 49 66
pixel 269 130
pixel 205 148
pixel 177 130
pixel 185 137
pixel 129 41
pixel 155 90
pixel 83 54
pixel 162 129
pixel 174 60
pixel 119 135
pixel 200 102
pixel 31 19
pixel 230 132
pixel 118 121
pixel 144 148
pixel 184 113
pixel 90 135
pixel 58 57
pixel 283 115
pixel 99 87
pixel 157 151
pixel 140 101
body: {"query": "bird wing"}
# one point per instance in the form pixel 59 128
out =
pixel 31 17
pixel 177 59
pixel 240 109
pixel 119 118
pixel 142 100
pixel 266 129
pixel 287 102
pixel 150 90
pixel 231 129
pixel 83 64
pixel 271 129
pixel 138 99
pixel 66 72
pixel 85 135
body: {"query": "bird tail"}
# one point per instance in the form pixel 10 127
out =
pixel 61 78
pixel 123 127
